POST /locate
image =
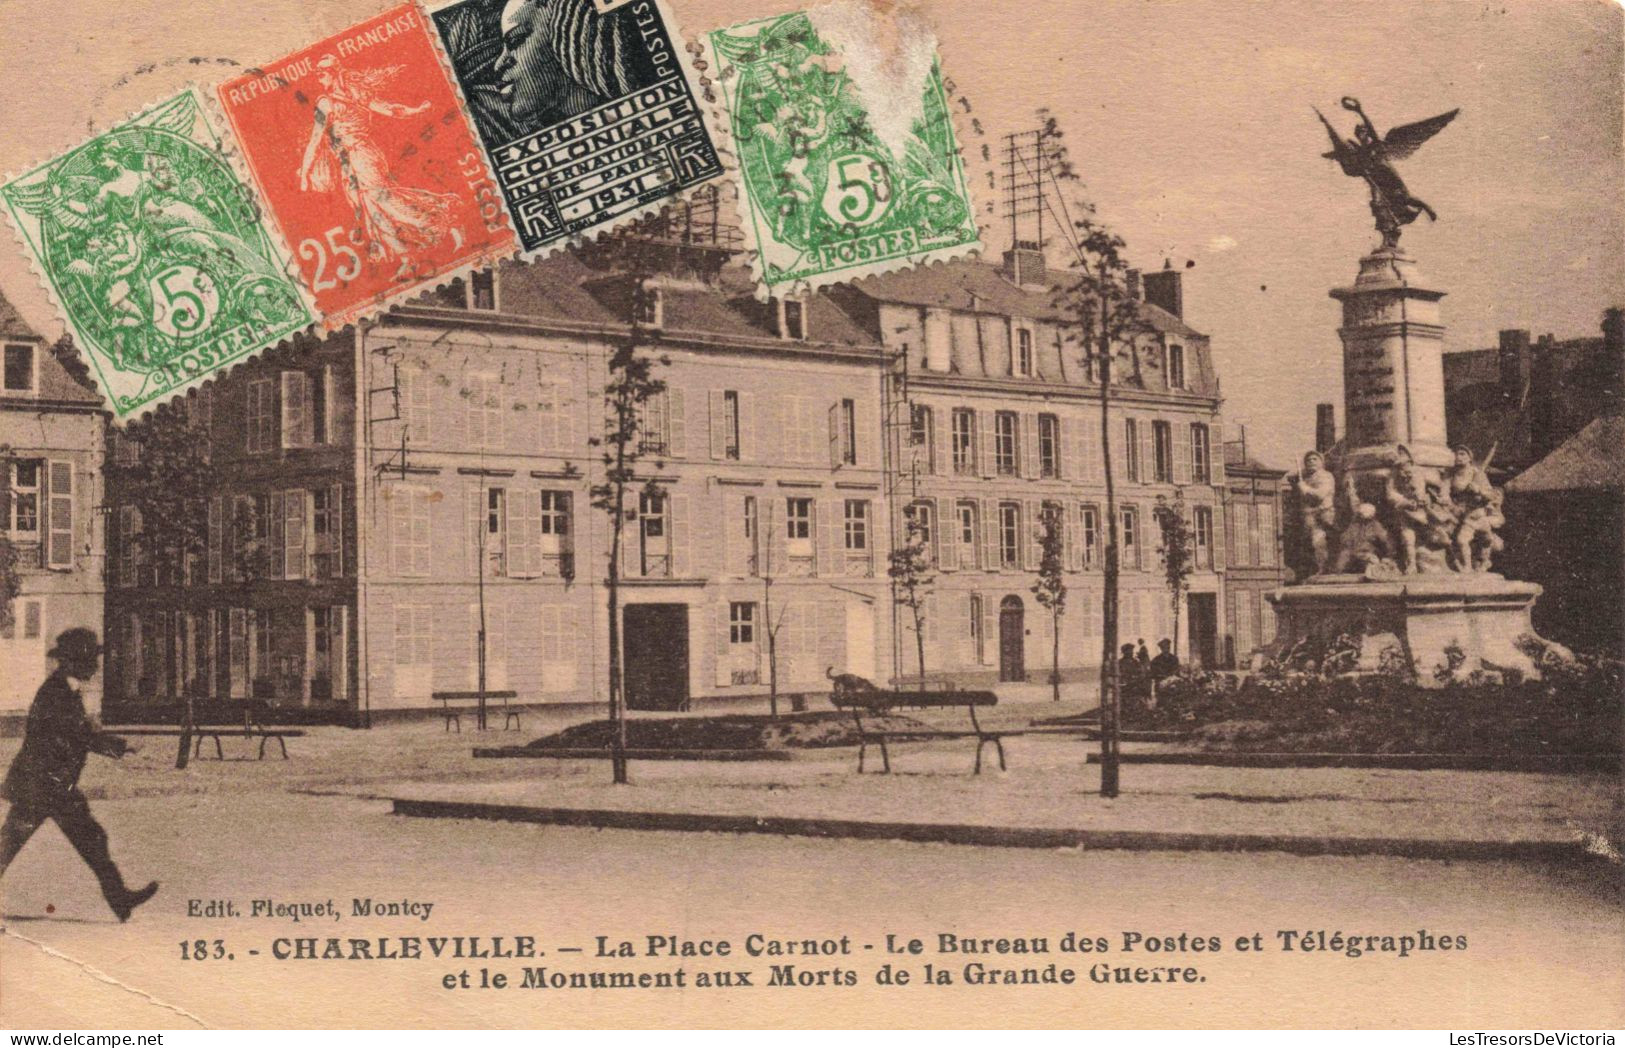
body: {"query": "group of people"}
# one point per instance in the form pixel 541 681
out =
pixel 1423 523
pixel 1138 673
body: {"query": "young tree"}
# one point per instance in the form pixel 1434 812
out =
pixel 911 577
pixel 1107 324
pixel 632 384
pixel 11 582
pixel 1178 548
pixel 1050 589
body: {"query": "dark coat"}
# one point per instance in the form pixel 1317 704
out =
pixel 59 738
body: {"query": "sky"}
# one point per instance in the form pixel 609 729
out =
pixel 1190 122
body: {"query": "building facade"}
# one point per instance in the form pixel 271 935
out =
pixel 1256 564
pixel 51 452
pixel 415 504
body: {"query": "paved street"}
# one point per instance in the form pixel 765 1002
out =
pixel 1537 937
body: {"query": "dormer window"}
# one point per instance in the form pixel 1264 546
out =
pixel 792 318
pixel 1021 352
pixel 21 368
pixel 649 307
pixel 482 290
pixel 1176 367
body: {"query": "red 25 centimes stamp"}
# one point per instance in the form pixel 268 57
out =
pixel 368 164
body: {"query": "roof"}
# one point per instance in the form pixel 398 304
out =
pixel 1237 461
pixel 951 285
pixel 1588 461
pixel 57 381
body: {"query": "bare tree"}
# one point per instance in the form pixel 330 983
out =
pixel 1050 588
pixel 631 386
pixel 911 576
pixel 1177 550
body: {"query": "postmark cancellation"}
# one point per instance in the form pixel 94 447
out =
pixel 156 254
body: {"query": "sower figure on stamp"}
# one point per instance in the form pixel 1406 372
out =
pixel 43 782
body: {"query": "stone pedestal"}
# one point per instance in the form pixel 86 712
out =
pixel 1393 367
pixel 1418 616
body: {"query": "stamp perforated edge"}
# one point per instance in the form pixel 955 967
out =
pixel 222 145
pixel 386 300
pixel 712 66
pixel 685 60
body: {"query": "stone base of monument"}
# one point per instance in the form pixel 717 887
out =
pixel 1417 618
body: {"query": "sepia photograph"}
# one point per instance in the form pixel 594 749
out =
pixel 881 514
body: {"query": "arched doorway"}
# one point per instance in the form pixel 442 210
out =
pixel 1012 639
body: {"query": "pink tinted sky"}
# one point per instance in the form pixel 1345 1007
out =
pixel 1190 121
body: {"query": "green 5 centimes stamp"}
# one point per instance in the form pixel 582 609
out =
pixel 847 158
pixel 157 255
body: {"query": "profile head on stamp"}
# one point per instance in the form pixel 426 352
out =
pixel 561 58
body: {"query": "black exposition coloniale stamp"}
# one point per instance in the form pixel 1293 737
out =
pixel 586 116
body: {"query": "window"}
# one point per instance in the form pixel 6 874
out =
pixel 648 307
pixel 413 388
pixel 1091 537
pixel 798 519
pixel 1176 367
pixel 320 405
pixel 655 544
pixel 1202 529
pixel 1266 534
pixel 326 527
pixel 296 416
pixel 843 435
pixel 482 289
pixel 493 538
pixel 730 424
pixel 654 424
pixel 752 550
pixel 261 425
pixel 1201 454
pixel 1130 537
pixel 964 440
pixel 25 505
pixel 1240 520
pixel 484 412
pixel 922 436
pixel 742 623
pixel 20 376
pixel 1131 448
pixel 414 635
pixel 409 539
pixel 969 543
pixel 922 517
pixel 792 318
pixel 975 604
pixel 1021 363
pixel 1162 452
pixel 1009 534
pixel 1049 446
pixel 857 525
pixel 1005 449
pixel 554 529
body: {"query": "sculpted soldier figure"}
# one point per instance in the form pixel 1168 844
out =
pixel 1365 544
pixel 1478 504
pixel 1317 504
pixel 1406 501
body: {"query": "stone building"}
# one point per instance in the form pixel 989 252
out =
pixel 51 448
pixel 1002 417
pixel 1255 566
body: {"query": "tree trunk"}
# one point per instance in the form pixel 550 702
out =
pixel 919 645
pixel 617 690
pixel 1110 679
pixel 1055 657
pixel 772 648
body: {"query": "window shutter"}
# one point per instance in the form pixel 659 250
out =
pixel 948 529
pixel 719 424
pixel 1183 465
pixel 474 508
pixel 217 538
pixel 277 530
pixel 942 451
pixel 865 421
pixel 1148 459
pixel 835 435
pixel 731 508
pixel 990 631
pixel 1032 549
pixel 676 425
pixel 295 409
pixel 770 427
pixel 682 560
pixel 1027 444
pixel 294 533
pixel 1073 558
pixel 749 438
pixel 1089 459
pixel 724 668
pixel 824 526
pixel 330 414
pixel 990 534
pixel 524 533
pixel 59 496
pixel 1215 453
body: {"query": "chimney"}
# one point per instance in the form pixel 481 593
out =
pixel 1024 264
pixel 1325 427
pixel 1543 394
pixel 1163 289
pixel 1133 284
pixel 1513 356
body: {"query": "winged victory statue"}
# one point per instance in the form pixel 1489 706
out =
pixel 1371 156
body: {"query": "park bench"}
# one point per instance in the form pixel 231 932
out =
pixel 454 703
pixel 217 720
pixel 880 703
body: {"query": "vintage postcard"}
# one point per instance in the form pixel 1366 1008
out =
pixel 1152 562
pixel 589 113
pixel 846 156
pixel 360 148
pixel 156 255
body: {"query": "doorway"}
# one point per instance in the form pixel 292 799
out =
pixel 655 643
pixel 1202 613
pixel 1012 639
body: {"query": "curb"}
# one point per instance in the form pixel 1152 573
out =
pixel 1555 762
pixel 569 753
pixel 993 836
